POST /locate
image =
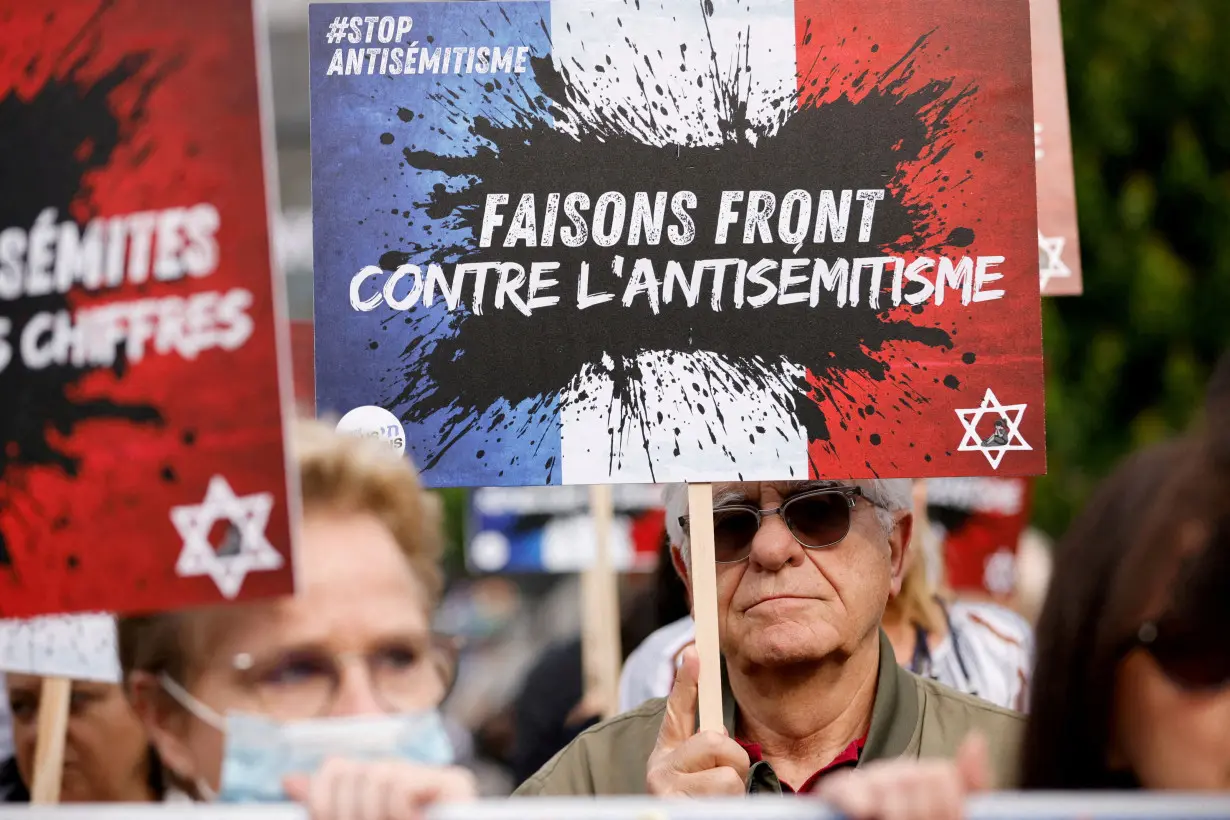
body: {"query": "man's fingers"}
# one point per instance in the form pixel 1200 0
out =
pixel 710 750
pixel 973 764
pixel 679 724
pixel 711 783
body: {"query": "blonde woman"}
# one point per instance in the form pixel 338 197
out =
pixel 350 664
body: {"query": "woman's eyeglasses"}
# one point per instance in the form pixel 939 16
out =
pixel 1197 658
pixel 816 518
pixel 405 675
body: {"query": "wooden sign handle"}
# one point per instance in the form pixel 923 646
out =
pixel 600 643
pixel 704 603
pixel 53 706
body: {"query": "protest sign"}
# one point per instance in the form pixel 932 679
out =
pixel 142 461
pixel 978 523
pixel 1059 252
pixel 81 647
pixel 589 242
pixel 551 529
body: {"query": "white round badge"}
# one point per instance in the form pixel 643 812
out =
pixel 375 422
pixel 489 551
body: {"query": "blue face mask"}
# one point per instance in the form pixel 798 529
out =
pixel 261 753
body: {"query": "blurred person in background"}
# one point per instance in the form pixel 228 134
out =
pixel 811 685
pixel 1132 684
pixel 1034 564
pixel 551 709
pixel 981 649
pixel 978 648
pixel 107 757
pixel 232 696
pixel 649 669
pixel 6 725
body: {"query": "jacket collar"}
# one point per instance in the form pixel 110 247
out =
pixel 894 715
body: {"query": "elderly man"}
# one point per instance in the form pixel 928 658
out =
pixel 810 683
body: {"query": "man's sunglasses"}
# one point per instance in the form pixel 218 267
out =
pixel 1197 659
pixel 816 518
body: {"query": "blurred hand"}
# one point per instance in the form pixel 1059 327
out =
pixel 380 790
pixel 587 709
pixel 689 763
pixel 910 789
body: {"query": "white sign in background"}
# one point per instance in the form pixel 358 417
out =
pixel 81 647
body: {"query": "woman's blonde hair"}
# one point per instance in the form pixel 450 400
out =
pixel 337 474
pixel 916 603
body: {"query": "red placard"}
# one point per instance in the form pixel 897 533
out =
pixel 143 465
pixel 1059 251
pixel 980 521
pixel 302 339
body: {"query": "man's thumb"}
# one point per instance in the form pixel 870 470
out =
pixel 972 763
pixel 679 724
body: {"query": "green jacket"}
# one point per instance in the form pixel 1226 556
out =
pixel 912 717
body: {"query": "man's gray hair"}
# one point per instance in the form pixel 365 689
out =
pixel 890 496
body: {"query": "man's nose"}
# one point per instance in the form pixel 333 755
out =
pixel 356 693
pixel 774 547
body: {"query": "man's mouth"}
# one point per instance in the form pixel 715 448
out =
pixel 772 598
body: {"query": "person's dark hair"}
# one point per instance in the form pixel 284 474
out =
pixel 670 593
pixel 1217 410
pixel 1115 568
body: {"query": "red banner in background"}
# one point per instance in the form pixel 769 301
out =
pixel 1059 250
pixel 979 522
pixel 302 340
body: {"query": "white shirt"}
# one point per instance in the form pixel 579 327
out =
pixel 988 652
pixel 649 671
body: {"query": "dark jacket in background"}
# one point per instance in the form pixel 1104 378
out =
pixel 552 689
pixel 12 790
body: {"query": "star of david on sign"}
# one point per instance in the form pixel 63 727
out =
pixel 1005 437
pixel 246 548
pixel 1050 259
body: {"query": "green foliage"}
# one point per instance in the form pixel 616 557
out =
pixel 454 503
pixel 1127 361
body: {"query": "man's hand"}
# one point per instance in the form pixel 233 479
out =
pixel 689 763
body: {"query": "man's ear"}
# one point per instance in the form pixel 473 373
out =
pixel 681 569
pixel 166 723
pixel 900 540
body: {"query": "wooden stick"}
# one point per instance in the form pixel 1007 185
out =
pixel 600 643
pixel 704 603
pixel 53 706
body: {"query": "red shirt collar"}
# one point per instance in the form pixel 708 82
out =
pixel 847 758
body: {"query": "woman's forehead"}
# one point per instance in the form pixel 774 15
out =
pixel 341 621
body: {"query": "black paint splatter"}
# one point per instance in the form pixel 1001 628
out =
pixel 49 142
pixel 562 140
